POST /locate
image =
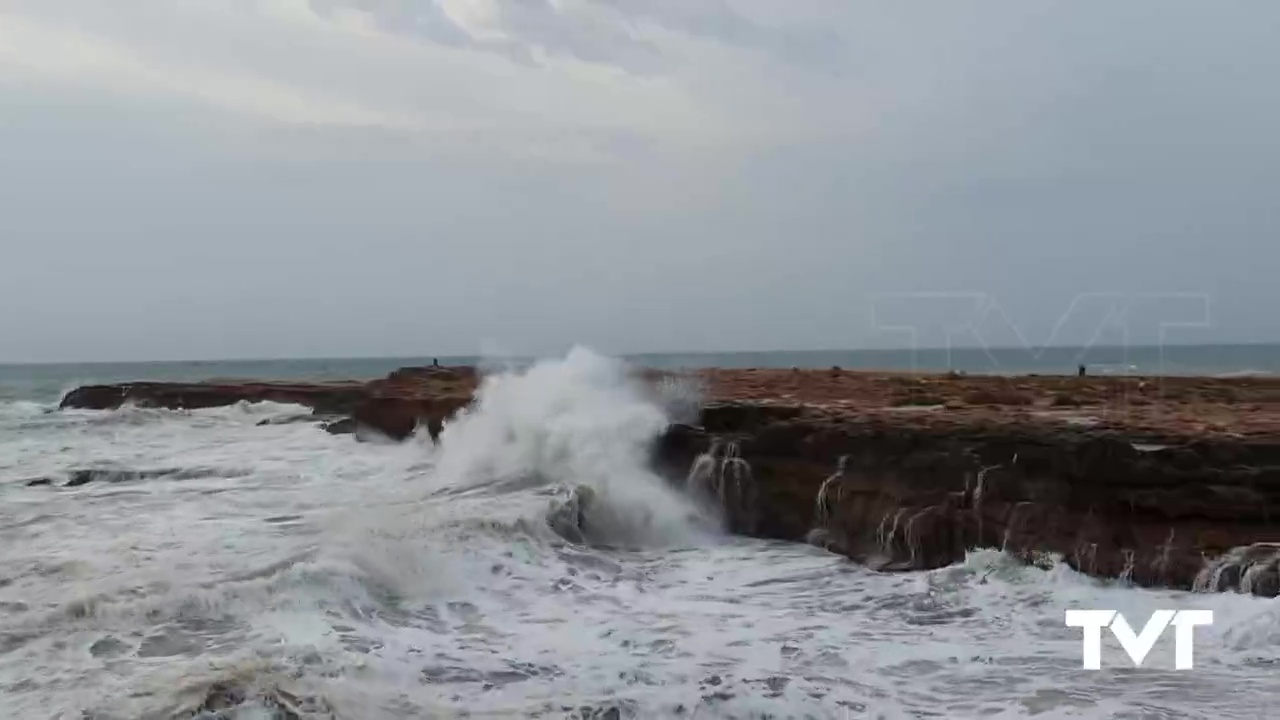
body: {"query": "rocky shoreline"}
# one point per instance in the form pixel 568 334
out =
pixel 1162 482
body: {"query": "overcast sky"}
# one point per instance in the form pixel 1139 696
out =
pixel 274 178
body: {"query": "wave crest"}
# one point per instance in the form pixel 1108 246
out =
pixel 581 429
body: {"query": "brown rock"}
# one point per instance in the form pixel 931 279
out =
pixel 915 491
pixel 1033 465
pixel 393 406
pixel 323 397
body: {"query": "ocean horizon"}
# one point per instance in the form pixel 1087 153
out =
pixel 43 381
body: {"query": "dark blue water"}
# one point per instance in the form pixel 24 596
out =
pixel 45 383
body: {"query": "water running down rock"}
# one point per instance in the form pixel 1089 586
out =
pixel 541 559
pixel 826 455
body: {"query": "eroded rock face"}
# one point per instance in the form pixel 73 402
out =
pixel 324 398
pixel 410 398
pixel 901 496
pixel 394 406
pixel 1165 482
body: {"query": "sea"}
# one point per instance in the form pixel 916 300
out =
pixel 230 564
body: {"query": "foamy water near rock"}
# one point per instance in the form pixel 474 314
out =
pixel 300 574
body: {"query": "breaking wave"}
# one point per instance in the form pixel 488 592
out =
pixel 580 430
pixel 530 565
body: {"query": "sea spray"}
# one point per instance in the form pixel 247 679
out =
pixel 362 579
pixel 582 429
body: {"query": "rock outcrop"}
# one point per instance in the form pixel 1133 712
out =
pixel 411 397
pixel 394 406
pixel 1179 490
pixel 1165 482
pixel 324 398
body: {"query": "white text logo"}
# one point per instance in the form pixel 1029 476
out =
pixel 1135 644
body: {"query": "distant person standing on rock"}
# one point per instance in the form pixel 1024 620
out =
pixel 1081 370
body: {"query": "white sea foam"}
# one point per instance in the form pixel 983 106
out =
pixel 368 581
pixel 1247 373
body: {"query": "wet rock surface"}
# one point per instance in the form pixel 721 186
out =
pixel 1168 482
pixel 231 701
pixel 394 406
pixel 338 397
pixel 907 493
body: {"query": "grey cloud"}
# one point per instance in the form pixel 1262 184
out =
pixel 529 24
pixel 1031 153
pixel 601 31
pixel 589 36
pixel 721 21
pixel 424 20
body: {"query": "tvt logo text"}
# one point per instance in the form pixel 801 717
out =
pixel 1138 645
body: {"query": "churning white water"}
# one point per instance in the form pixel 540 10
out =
pixel 529 566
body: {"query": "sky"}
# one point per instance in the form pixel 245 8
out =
pixel 195 179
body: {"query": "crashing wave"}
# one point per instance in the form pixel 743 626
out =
pixel 581 429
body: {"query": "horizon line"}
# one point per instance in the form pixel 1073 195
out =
pixel 1033 350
